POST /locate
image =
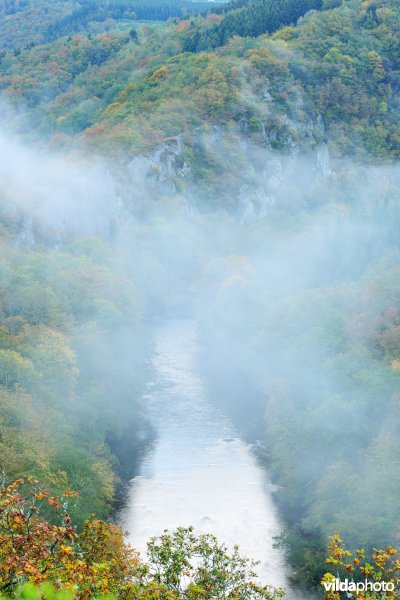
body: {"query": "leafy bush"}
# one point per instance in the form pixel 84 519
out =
pixel 96 562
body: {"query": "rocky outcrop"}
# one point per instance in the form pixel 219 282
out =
pixel 160 171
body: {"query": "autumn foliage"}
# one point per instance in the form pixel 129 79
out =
pixel 383 566
pixel 94 561
pixel 41 552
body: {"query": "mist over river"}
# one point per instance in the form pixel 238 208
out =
pixel 198 471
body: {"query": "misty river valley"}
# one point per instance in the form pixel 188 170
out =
pixel 199 299
pixel 198 471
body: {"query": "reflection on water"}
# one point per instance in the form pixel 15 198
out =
pixel 198 472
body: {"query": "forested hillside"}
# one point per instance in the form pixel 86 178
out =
pixel 250 20
pixel 318 346
pixel 234 163
pixel 121 92
pixel 28 22
pixel 66 318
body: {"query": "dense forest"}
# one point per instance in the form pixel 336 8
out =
pixel 29 22
pixel 235 162
pixel 118 90
pixel 250 20
pixel 118 10
pixel 66 316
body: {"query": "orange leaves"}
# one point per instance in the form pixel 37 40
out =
pixel 28 543
pixel 33 550
pixel 382 568
pixel 97 562
pixel 337 553
pixel 70 494
pixel 183 25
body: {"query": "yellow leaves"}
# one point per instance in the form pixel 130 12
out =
pixel 395 364
pixel 54 502
pixel 40 496
pixel 212 74
pixel 327 581
pixel 70 494
pixel 337 553
pixel 32 569
pixel 265 61
pixel 14 369
pixel 286 33
pixel 111 108
pixel 382 568
pixel 159 74
pixel 6 491
pixel 376 64
pixel 97 562
pixel 66 550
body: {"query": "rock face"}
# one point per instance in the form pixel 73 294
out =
pixel 54 195
pixel 256 199
pixel 294 158
pixel 88 205
pixel 260 170
pixel 158 172
pixel 323 161
pixel 283 152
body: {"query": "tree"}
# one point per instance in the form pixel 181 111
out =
pixel 382 572
pixel 14 369
pixel 200 567
pixel 96 560
pixel 32 549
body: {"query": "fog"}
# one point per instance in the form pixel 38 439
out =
pixel 289 266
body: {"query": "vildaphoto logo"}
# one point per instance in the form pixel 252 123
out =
pixel 356 587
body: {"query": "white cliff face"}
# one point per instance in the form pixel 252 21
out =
pixel 59 194
pixel 158 172
pixel 88 205
pixel 262 168
pixel 290 150
pixel 139 170
pixel 72 199
pixel 323 161
pixel 266 94
pixel 320 124
pixel 255 201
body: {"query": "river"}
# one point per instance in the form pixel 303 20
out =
pixel 199 472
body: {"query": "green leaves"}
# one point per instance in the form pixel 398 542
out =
pixel 198 566
pixel 65 317
pixel 96 562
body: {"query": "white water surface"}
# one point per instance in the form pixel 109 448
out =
pixel 199 472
